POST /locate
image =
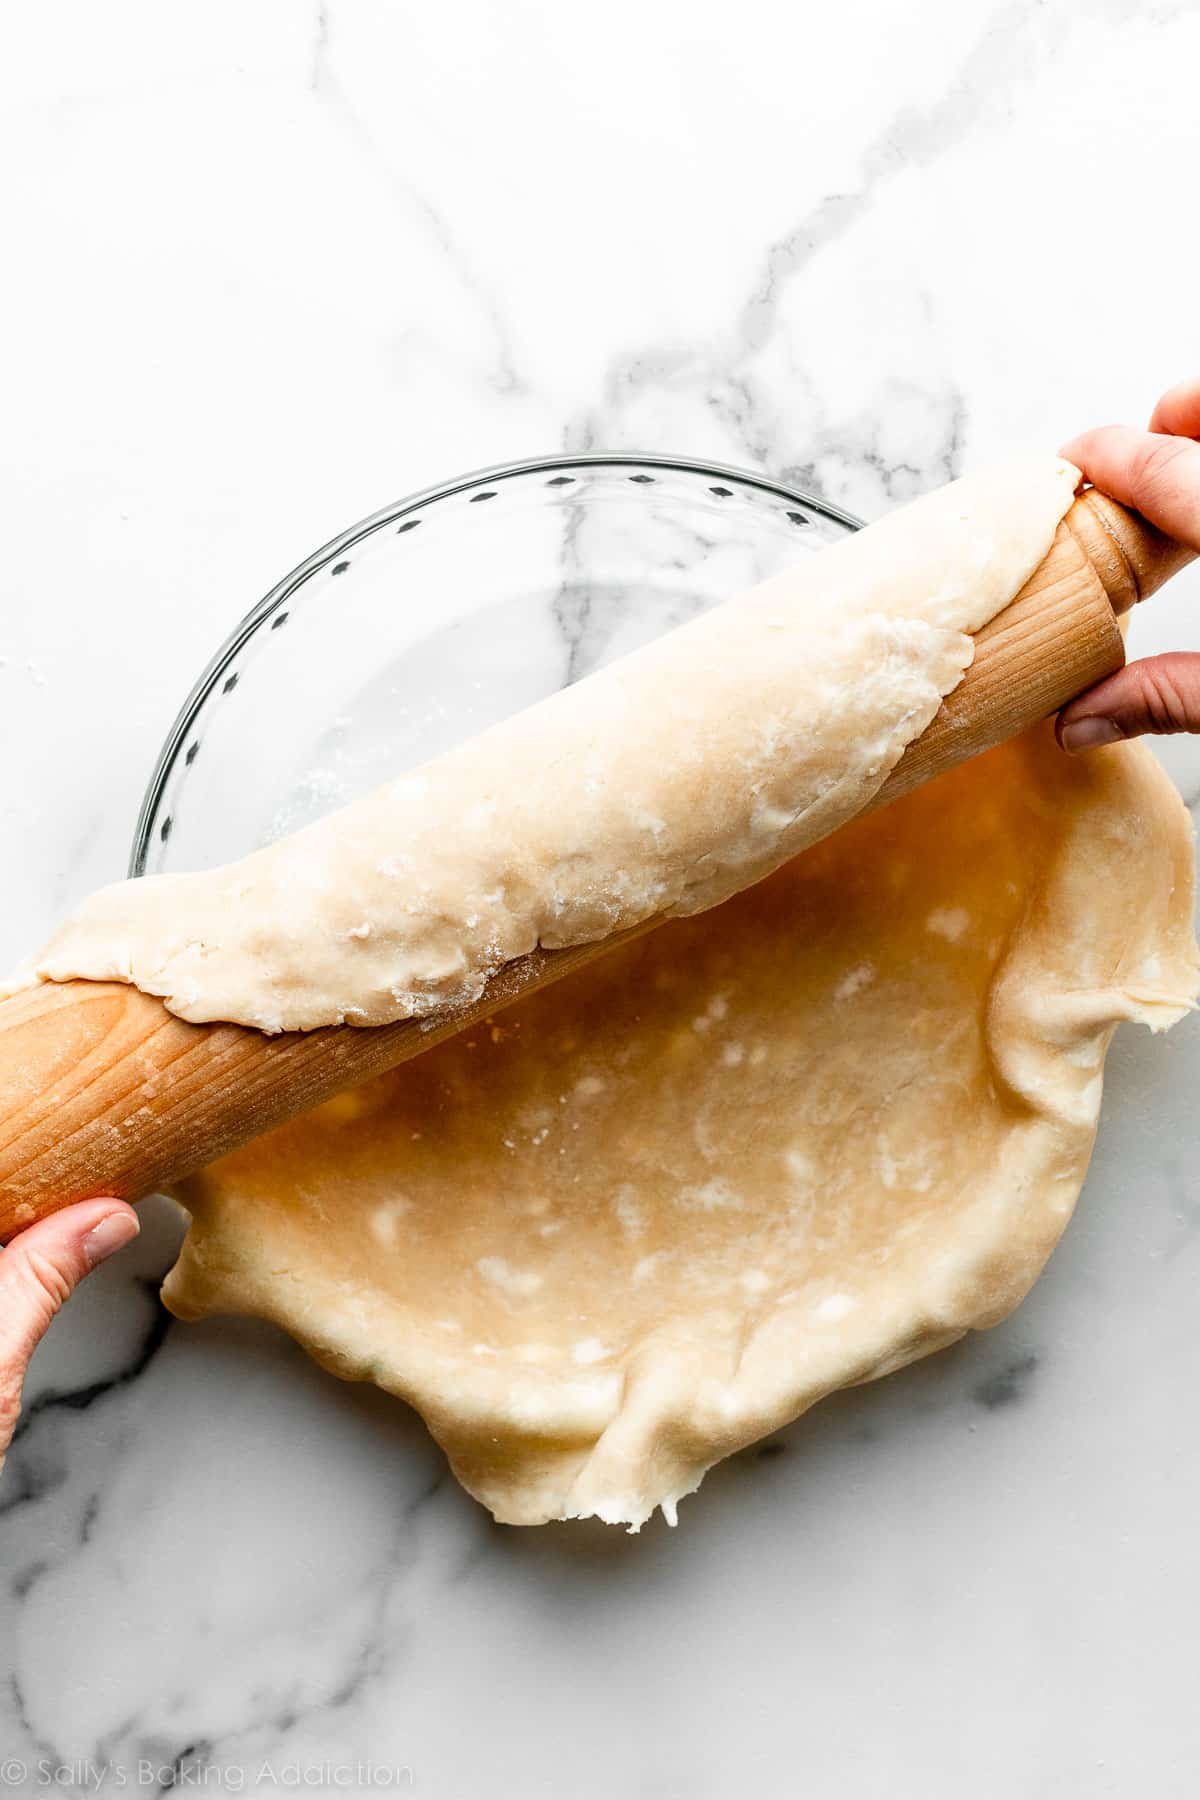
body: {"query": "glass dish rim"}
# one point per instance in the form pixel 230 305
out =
pixel 283 589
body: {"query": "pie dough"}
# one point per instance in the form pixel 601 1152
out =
pixel 819 1128
pixel 657 1210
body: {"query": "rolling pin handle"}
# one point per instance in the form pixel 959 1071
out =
pixel 1131 557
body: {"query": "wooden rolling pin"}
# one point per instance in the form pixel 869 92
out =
pixel 103 1091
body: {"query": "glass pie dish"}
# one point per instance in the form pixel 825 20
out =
pixel 444 613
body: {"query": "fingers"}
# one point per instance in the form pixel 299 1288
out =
pixel 1158 473
pixel 39 1271
pixel 1161 694
pixel 1178 412
pixel 1158 476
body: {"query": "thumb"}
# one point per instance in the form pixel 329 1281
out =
pixel 1161 694
pixel 41 1269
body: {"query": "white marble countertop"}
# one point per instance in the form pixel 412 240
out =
pixel 270 266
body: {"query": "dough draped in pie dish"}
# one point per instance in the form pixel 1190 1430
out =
pixel 656 1211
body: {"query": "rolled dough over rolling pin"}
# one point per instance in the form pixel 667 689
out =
pixel 658 787
pixel 658 1210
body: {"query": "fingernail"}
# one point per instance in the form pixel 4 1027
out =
pixel 1089 734
pixel 113 1233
